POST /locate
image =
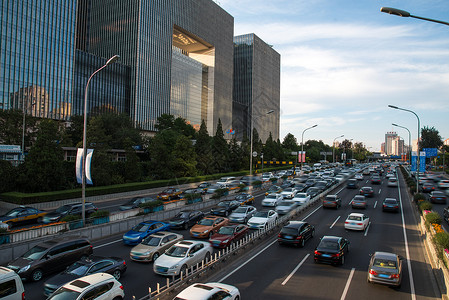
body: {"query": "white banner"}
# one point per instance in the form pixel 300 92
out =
pixel 79 161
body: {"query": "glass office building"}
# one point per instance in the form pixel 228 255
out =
pixel 256 87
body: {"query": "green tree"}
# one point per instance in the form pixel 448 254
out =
pixel 74 132
pixel 235 155
pixel 220 150
pixel 11 127
pixel 269 150
pixel 430 138
pixel 162 162
pixel 203 150
pixel 8 174
pixel 185 157
pixel 290 144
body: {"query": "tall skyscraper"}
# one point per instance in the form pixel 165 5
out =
pixel 389 138
pixel 256 87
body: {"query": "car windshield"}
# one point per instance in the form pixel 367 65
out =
pixel 141 227
pixel 223 204
pixel 206 222
pixel 330 245
pixel 301 195
pixel 359 197
pixel 215 186
pixel 77 269
pixel 390 201
pixel 384 263
pixel 240 210
pixel 132 201
pixel 285 203
pixel 330 198
pixel 355 218
pixel 182 214
pixel 287 190
pixel 177 251
pixel 439 194
pixel 367 189
pixel 261 214
pixel 13 213
pixel 151 241
pixel 226 230
pixel 203 185
pixel 289 231
pixel 35 253
pixel 64 294
pixel 63 209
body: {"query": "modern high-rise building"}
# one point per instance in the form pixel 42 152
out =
pixel 256 87
pixel 389 138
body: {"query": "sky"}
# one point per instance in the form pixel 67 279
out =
pixel 343 62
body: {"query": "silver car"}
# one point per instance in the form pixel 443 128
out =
pixel 242 214
pixel 154 245
pixel 385 268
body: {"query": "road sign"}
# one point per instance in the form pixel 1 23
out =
pixel 254 154
pixel 325 153
pixel 431 152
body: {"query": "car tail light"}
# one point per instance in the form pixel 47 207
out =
pixel 372 272
pixel 394 276
pixel 396 206
pixel 299 237
pixel 346 222
pixel 317 252
pixel 336 255
pixel 279 235
pixel 124 263
pixel 23 296
pixel 359 223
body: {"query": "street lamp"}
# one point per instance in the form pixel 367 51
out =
pixel 302 144
pixel 403 13
pixel 333 148
pixel 409 140
pixel 23 125
pixel 83 167
pixel 417 143
pixel 251 140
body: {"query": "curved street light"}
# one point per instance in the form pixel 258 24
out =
pixel 302 144
pixel 417 143
pixel 83 167
pixel 251 140
pixel 333 148
pixel 409 140
pixel 406 14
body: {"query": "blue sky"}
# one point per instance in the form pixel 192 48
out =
pixel 343 62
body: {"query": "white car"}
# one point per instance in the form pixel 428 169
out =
pixel 357 221
pixel 443 184
pixel 272 200
pixel 89 286
pixel 262 218
pixel 289 193
pixel 211 290
pixel 181 256
pixel 301 198
pixel 358 176
pixel 286 206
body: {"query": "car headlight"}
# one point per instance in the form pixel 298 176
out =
pixel 206 231
pixel 24 269
pixel 146 253
pixel 174 267
pixel 226 241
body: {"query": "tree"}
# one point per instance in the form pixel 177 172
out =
pixel 430 138
pixel 185 157
pixel 74 132
pixel 289 143
pixel 11 127
pixel 269 150
pixel 203 150
pixel 235 155
pixel 220 150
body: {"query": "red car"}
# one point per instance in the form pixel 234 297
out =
pixel 169 194
pixel 226 235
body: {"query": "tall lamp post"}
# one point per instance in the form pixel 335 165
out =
pixel 417 143
pixel 83 167
pixel 302 143
pixel 409 140
pixel 333 148
pixel 403 13
pixel 251 140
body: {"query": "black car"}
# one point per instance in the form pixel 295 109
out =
pixel 367 191
pixel 186 218
pixel 437 197
pixel 193 191
pixel 69 209
pixel 287 184
pixel 352 184
pixel 313 191
pixel 224 208
pixel 136 202
pixel 310 182
pixel 115 266
pixel 300 187
pixel 390 204
pixel 331 249
pixel 248 180
pixel 296 233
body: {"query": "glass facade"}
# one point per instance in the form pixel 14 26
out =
pixel 37 47
pixel 256 87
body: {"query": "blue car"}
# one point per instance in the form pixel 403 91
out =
pixel 142 230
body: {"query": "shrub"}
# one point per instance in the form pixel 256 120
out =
pixel 433 218
pixel 71 218
pixel 273 179
pixel 151 204
pixel 100 214
pixel 256 182
pixel 192 196
pixel 220 192
pixel 418 197
pixel 424 205
pixel 442 239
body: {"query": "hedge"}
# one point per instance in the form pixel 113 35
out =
pixel 433 218
pixel 442 239
pixel 425 205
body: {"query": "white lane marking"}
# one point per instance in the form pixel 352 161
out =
pixel 380 190
pixel 110 243
pixel 409 264
pixel 335 222
pixel 257 254
pixel 367 227
pixel 296 269
pixel 340 191
pixel 345 291
pixel 375 204
pixel 311 213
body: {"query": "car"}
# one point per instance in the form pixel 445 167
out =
pixel 22 215
pixel 225 207
pixel 286 206
pixel 313 191
pixel 437 197
pixel 115 266
pixel 232 185
pixel 267 176
pixel 356 221
pixel 185 218
pixel 443 184
pixel 214 187
pixel 192 192
pixel 390 204
pixel 332 201
pixel 142 230
pixel 385 268
pixel 182 256
pixel 359 201
pixel 273 189
pixel 245 199
pixel 90 287
pixel 223 181
pixel 352 183
pixel 11 286
pixel 300 187
pixel 227 235
pixel 263 219
pixel 296 233
pixel 392 182
pixel 331 249
pixel 367 191
pixel 204 186
pixel 427 187
pixel 375 179
pixel 272 200
pixel 301 198
pixel 390 175
pixel 70 209
pixel 242 214
pixel 207 291
pixel 288 193
pixel 154 245
pixel 169 194
pixel 358 176
pixel 321 184
pixel 248 180
pixel 136 202
pixel 207 226
pixel 50 256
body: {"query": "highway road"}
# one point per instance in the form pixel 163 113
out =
pixel 282 272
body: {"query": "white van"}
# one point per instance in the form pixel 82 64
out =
pixel 11 287
pixel 224 181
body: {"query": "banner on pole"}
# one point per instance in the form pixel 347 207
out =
pixel 79 162
pixel 302 156
pixel 414 161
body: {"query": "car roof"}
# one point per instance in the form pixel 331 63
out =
pixel 198 291
pixel 356 215
pixel 294 224
pixel 331 237
pixel 390 199
pixel 162 233
pixel 212 217
pixel 80 284
pixel 385 255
